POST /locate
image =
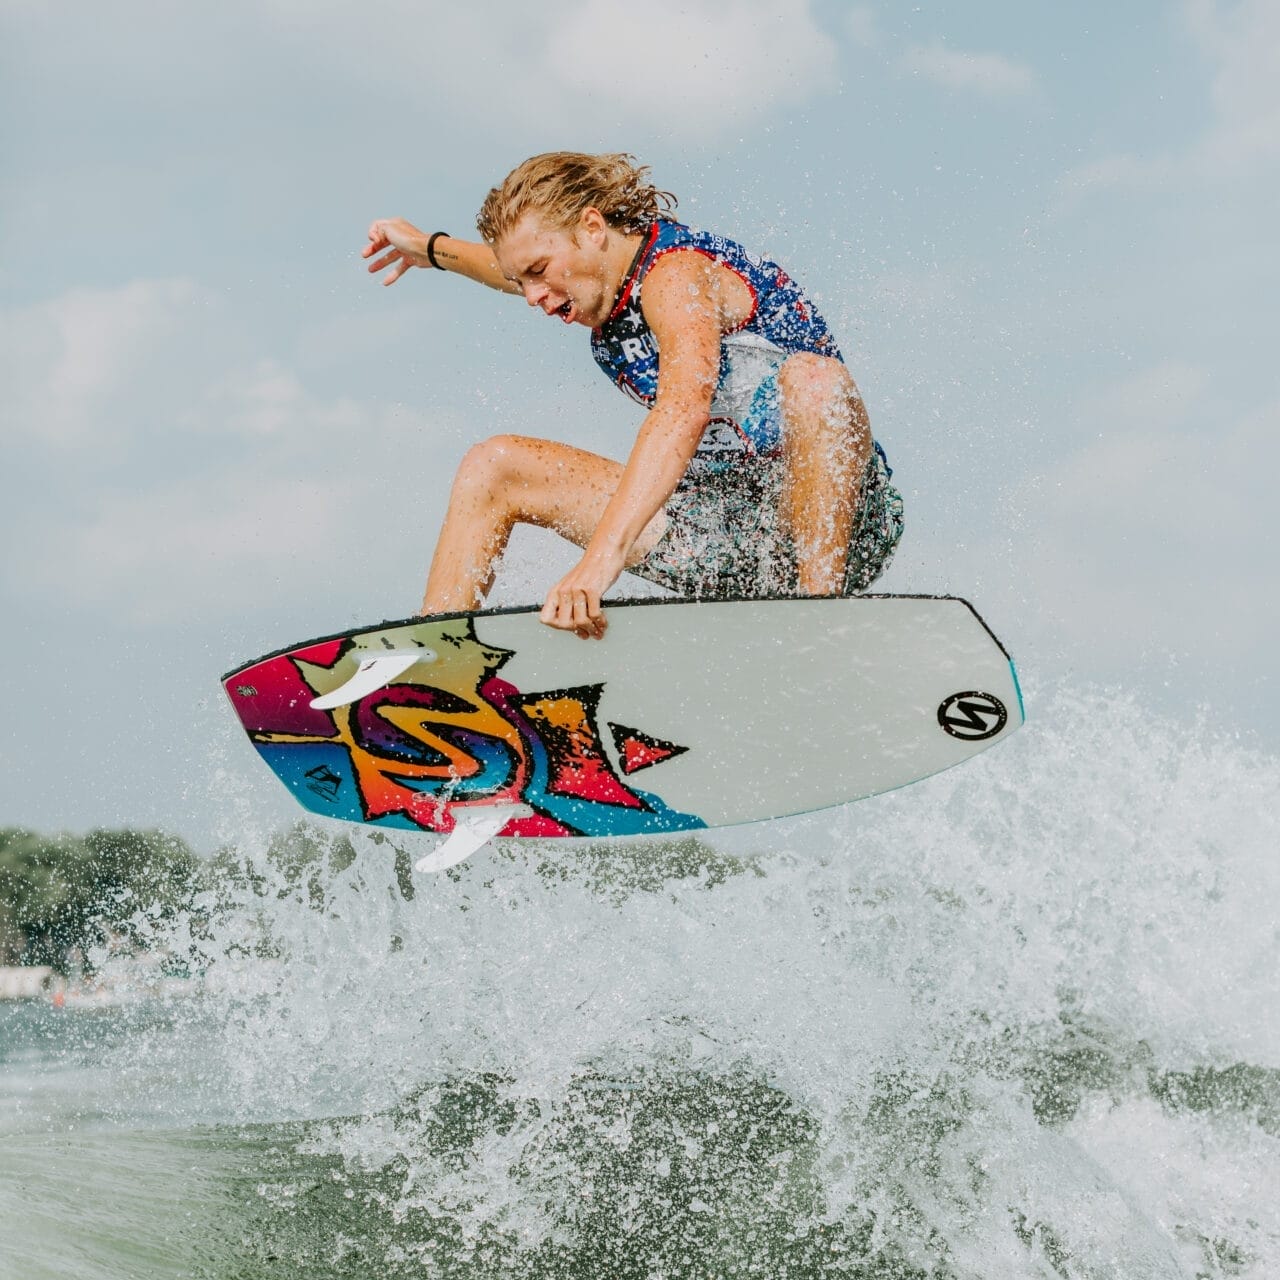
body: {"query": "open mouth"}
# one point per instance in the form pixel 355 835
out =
pixel 565 312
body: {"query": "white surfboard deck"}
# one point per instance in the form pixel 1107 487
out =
pixel 685 715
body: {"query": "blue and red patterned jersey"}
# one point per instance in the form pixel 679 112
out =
pixel 782 317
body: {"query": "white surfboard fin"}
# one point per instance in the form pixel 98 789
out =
pixel 475 826
pixel 375 671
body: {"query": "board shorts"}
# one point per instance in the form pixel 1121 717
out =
pixel 725 538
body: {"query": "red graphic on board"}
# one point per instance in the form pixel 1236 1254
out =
pixel 566 725
pixel 638 750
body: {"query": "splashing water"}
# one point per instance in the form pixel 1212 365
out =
pixel 1017 1021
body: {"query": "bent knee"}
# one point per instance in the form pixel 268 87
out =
pixel 819 397
pixel 492 461
pixel 804 369
pixel 816 385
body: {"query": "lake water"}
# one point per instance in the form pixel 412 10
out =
pixel 1018 1021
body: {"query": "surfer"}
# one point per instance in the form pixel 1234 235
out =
pixel 754 471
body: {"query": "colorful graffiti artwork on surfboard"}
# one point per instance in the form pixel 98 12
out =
pixel 446 735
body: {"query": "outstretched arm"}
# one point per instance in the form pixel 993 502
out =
pixel 401 246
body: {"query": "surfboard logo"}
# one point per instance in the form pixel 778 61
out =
pixel 973 715
pixel 323 782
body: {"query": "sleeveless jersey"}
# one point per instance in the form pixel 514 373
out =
pixel 745 418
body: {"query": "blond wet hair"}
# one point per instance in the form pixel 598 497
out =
pixel 559 185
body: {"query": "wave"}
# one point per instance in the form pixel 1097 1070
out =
pixel 1018 1020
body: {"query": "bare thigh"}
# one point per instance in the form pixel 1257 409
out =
pixel 552 485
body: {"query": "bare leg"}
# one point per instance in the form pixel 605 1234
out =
pixel 510 480
pixel 827 445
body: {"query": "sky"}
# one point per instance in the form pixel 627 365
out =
pixel 1044 234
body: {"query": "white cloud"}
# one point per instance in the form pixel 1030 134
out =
pixel 861 26
pixel 1164 397
pixel 172 467
pixel 281 517
pixel 1153 538
pixel 1243 42
pixel 990 74
pixel 1117 170
pixel 96 372
pixel 690 59
pixel 1241 45
pixel 438 76
pixel 65 360
pixel 268 400
pixel 575 64
pixel 178 550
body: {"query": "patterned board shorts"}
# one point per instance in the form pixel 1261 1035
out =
pixel 724 537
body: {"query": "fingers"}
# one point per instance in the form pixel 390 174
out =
pixel 574 609
pixel 588 617
pixel 377 238
pixel 396 260
pixel 382 236
pixel 385 261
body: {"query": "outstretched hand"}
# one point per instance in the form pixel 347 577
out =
pixel 401 244
pixel 573 604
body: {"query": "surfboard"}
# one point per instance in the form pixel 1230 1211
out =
pixel 686 715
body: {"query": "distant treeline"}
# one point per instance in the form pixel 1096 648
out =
pixel 62 895
pixel 59 894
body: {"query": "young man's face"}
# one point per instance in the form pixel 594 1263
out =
pixel 563 272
